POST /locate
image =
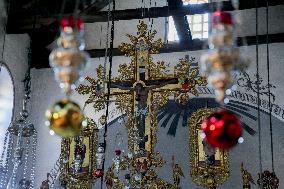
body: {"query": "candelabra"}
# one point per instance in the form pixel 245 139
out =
pixel 19 153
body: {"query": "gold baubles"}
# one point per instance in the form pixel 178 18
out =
pixel 65 118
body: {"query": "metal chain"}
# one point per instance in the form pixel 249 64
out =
pixel 167 26
pixel 76 12
pixel 107 42
pixel 269 85
pixel 258 93
pixel 109 84
pixel 62 9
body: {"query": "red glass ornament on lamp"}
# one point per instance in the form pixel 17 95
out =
pixel 222 129
pixel 98 173
pixel 222 18
pixel 72 22
pixel 185 85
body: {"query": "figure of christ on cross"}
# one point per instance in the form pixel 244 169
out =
pixel 141 90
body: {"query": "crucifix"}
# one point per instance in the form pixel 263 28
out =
pixel 139 84
pixel 141 91
pixel 142 86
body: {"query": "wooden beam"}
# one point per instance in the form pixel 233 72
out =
pixel 23 23
pixel 197 45
pixel 41 59
pixel 181 23
pixel 96 6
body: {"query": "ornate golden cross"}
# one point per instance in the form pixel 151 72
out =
pixel 143 87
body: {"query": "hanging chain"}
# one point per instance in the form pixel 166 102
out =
pixel 109 85
pixel 167 26
pixel 107 43
pixel 62 9
pixel 269 85
pixel 142 3
pixel 76 8
pixel 258 93
pixel 27 79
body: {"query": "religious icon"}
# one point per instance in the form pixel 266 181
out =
pixel 139 90
pixel 79 158
pixel 209 166
pixel 79 154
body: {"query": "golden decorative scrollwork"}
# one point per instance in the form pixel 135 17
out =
pixel 203 174
pixel 158 70
pixel 140 50
pixel 145 34
pixel 150 180
pixel 124 103
pixel 184 70
pixel 141 88
pixel 95 91
pixel 126 72
pixel 160 99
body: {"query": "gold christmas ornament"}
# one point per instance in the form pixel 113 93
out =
pixel 65 118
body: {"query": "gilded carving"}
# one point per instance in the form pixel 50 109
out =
pixel 247 178
pixel 77 158
pixel 141 88
pixel 204 170
pixel 268 180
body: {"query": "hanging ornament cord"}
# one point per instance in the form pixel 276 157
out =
pixel 143 8
pixel 76 9
pixel 149 15
pixel 62 9
pixel 107 42
pixel 258 93
pixel 269 85
pixel 166 37
pixel 109 85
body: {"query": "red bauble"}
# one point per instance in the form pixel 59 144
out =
pixel 185 86
pixel 222 129
pixel 98 173
pixel 222 18
pixel 72 22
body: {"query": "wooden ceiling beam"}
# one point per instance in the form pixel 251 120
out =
pixel 96 6
pixel 40 60
pixel 197 45
pixel 24 23
pixel 181 23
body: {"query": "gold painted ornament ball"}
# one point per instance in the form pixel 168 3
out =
pixel 65 118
